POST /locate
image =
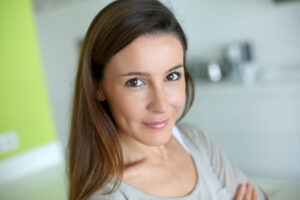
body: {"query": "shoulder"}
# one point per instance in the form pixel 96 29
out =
pixel 193 135
pixel 197 139
pixel 103 193
pixel 185 127
pixel 113 196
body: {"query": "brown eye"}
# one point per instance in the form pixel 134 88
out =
pixel 173 76
pixel 135 82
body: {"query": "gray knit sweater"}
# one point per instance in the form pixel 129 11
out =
pixel 217 178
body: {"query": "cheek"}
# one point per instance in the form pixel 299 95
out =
pixel 126 106
pixel 176 97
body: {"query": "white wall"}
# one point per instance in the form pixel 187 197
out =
pixel 257 126
pixel 59 32
pixel 273 28
pixel 210 24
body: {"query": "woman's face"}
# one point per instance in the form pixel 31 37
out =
pixel 144 85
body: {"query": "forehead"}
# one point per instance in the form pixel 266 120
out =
pixel 148 53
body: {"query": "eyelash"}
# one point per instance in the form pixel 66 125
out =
pixel 176 74
pixel 129 83
pixel 133 82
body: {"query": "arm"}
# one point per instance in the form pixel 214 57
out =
pixel 229 175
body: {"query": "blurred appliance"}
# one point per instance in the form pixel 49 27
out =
pixel 206 71
pixel 239 63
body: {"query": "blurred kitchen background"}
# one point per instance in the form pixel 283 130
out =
pixel 245 59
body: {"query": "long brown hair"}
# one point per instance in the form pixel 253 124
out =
pixel 95 154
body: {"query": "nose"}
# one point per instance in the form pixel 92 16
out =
pixel 157 100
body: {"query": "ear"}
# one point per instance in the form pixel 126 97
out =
pixel 100 94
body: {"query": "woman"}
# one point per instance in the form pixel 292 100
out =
pixel 131 86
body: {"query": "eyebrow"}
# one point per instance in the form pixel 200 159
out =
pixel 147 74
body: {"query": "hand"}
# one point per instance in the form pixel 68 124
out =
pixel 246 192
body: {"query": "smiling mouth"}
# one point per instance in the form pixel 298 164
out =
pixel 157 125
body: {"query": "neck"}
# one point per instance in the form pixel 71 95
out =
pixel 136 152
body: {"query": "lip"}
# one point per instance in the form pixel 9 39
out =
pixel 157 125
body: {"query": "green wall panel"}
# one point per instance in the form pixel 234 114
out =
pixel 24 102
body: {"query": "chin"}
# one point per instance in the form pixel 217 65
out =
pixel 157 137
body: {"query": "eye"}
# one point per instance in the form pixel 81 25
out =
pixel 174 76
pixel 135 82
